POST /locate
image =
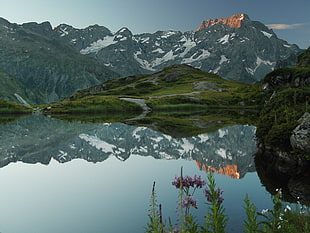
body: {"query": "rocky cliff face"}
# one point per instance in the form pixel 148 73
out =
pixel 300 138
pixel 284 120
pixel 46 69
pixel 234 21
pixel 11 89
pixel 297 76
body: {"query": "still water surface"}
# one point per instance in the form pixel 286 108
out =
pixel 65 177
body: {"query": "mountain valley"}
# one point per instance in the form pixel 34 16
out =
pixel 52 63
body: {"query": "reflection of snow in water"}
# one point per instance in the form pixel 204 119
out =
pixel 66 141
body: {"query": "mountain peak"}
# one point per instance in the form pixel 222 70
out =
pixel 234 21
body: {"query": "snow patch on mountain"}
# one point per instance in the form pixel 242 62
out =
pixel 145 40
pixel 222 133
pixel 143 63
pixel 186 147
pixel 269 35
pixel 203 138
pixel 136 131
pixel 223 153
pixel 223 59
pixel 224 39
pixel 203 54
pixel 259 62
pixel 21 100
pixel 156 62
pixel 168 34
pixel 98 143
pixel 159 50
pixel 188 44
pixel 96 46
pixel 63 32
pixel 167 57
pixel 216 70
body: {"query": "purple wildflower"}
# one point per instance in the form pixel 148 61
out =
pixel 217 194
pixel 199 182
pixel 189 201
pixel 188 181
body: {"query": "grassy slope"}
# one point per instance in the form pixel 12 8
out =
pixel 12 108
pixel 174 88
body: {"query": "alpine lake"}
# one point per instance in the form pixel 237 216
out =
pixel 95 173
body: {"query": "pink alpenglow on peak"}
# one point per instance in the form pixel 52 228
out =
pixel 233 22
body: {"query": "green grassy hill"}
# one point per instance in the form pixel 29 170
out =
pixel 12 108
pixel 174 88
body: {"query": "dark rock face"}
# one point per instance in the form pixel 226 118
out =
pixel 47 69
pixel 282 77
pixel 278 170
pixel 295 77
pixel 300 138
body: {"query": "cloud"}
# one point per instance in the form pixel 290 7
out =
pixel 281 26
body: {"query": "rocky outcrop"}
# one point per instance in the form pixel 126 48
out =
pixel 234 21
pixel 295 77
pixel 278 170
pixel 282 77
pixel 300 138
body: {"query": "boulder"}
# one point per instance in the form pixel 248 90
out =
pixel 300 138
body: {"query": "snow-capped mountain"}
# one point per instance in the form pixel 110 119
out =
pixel 52 63
pixel 235 48
pixel 39 138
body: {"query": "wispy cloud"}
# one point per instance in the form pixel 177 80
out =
pixel 284 26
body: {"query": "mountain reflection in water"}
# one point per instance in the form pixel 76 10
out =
pixel 38 139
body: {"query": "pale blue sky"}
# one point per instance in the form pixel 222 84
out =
pixel 152 15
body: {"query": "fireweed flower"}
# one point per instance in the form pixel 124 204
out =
pixel 187 182
pixel 199 182
pixel 218 194
pixel 188 201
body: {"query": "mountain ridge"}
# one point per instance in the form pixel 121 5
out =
pixel 234 21
pixel 43 66
pixel 244 51
pixel 55 62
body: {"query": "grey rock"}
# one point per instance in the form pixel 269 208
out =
pixel 300 138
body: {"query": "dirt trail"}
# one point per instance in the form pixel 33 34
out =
pixel 141 102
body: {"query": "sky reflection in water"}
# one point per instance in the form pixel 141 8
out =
pixel 112 196
pixel 107 194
